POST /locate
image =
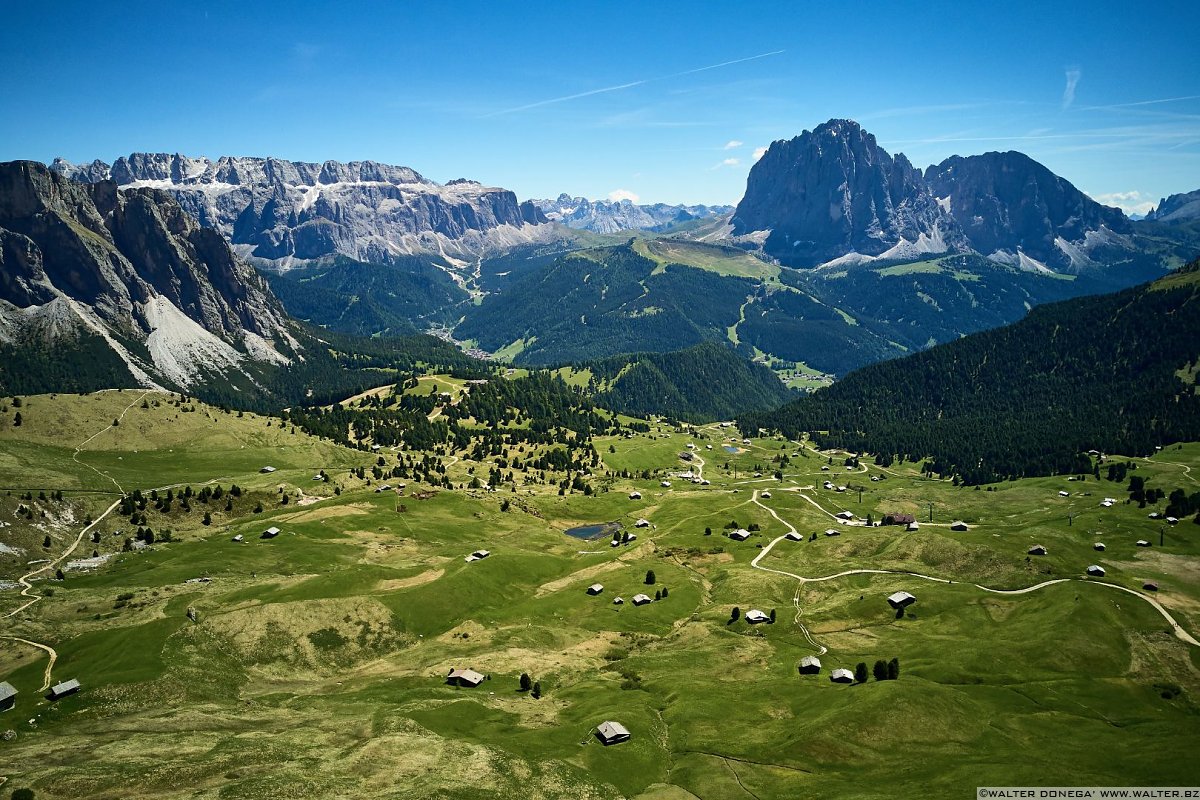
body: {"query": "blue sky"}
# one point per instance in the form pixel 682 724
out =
pixel 659 101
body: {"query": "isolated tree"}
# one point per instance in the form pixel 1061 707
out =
pixel 207 518
pixel 17 424
pixel 860 672
pixel 650 577
pixel 537 690
pixel 772 616
pixel 664 591
pixel 258 508
pixel 526 683
pixel 658 595
pixel 22 794
pixel 708 531
pixel 881 670
pixel 58 574
pixel 735 614
pixel 893 669
pixel 46 541
pixel 116 422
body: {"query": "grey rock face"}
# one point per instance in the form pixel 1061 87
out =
pixel 287 210
pixel 135 267
pixel 611 216
pixel 1008 204
pixel 834 191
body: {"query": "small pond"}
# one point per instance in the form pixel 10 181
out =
pixel 595 531
pixel 731 449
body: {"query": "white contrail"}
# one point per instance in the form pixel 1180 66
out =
pixel 629 85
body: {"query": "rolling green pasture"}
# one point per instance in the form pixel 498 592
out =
pixel 315 664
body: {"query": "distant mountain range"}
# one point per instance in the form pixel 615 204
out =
pixel 611 216
pixel 283 212
pixel 834 196
pixel 1177 208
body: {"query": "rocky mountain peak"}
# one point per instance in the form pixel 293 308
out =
pixel 134 267
pixel 1015 210
pixel 833 192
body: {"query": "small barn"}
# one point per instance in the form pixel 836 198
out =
pixel 610 732
pixel 618 601
pixel 912 526
pixel 901 600
pixel 1150 586
pixel 640 599
pixel 795 536
pixel 8 696
pixel 810 665
pixel 238 538
pixel 270 533
pixel 1064 494
pixel 1096 571
pixel 478 555
pixel 665 484
pixel 642 523
pixel 595 589
pixel 898 519
pixel 827 485
pixel 846 515
pixel 267 470
pixel 635 495
pixel 1142 543
pixel 60 690
pixel 841 676
pixel 832 532
pixel 959 525
pixel 464 677
pixel 1098 546
pixel 1172 520
pixel 754 616
pixel 767 495
pixel 1037 550
pixel 741 534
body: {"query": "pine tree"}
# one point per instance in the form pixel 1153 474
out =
pixel 735 614
pixel 772 616
pixel 526 683
pixel 17 420
pixel 650 577
pixel 881 670
pixel 537 690
pixel 893 669
pixel 860 672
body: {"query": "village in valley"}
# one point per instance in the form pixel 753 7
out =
pixel 627 607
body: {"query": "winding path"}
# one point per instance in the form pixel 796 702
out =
pixel 1178 630
pixel 27 587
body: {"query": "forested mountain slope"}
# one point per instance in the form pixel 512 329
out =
pixel 1116 373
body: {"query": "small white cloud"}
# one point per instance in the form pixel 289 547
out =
pixel 759 152
pixel 728 162
pixel 1131 202
pixel 1073 76
pixel 733 144
pixel 617 195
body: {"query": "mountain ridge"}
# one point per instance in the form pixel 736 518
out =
pixel 281 212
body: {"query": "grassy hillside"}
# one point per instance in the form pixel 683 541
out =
pixel 313 663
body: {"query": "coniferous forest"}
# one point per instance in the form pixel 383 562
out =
pixel 1115 373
